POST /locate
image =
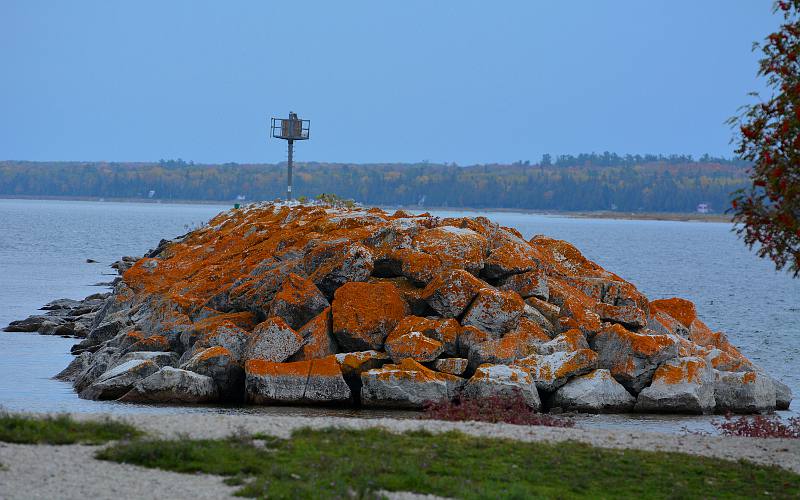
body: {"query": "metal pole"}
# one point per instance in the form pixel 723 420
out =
pixel 289 166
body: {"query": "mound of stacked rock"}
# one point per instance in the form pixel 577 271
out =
pixel 309 305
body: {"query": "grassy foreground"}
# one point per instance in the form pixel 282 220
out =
pixel 337 463
pixel 61 429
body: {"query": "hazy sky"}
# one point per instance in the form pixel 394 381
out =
pixel 463 81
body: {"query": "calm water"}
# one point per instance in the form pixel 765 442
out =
pixel 44 246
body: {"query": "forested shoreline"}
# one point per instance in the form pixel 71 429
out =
pixel 569 183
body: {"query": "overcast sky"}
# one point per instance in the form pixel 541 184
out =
pixel 404 81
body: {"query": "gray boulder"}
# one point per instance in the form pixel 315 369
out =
pixel 160 358
pixel 743 392
pixel 682 385
pixel 115 382
pixel 219 364
pixel 173 385
pixel 501 380
pixel 273 340
pixel 494 311
pixel 595 392
pixel 100 361
pixel 783 395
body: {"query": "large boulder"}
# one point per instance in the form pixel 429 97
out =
pixel 494 311
pixel 632 357
pixel 527 284
pixel 520 343
pixel 551 371
pixel 298 301
pixel 594 392
pixel 117 381
pixel 407 384
pixel 315 381
pixel 743 392
pixel 510 258
pixel 318 341
pixel 503 381
pixel 273 340
pixel 332 264
pixel 456 247
pixel 451 292
pixel 365 313
pixel 219 364
pixel 173 385
pixel 681 385
pixel 410 339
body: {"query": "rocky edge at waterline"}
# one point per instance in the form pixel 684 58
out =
pixel 275 304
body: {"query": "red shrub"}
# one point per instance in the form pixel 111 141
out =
pixel 759 426
pixel 511 410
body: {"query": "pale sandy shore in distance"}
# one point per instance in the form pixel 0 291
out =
pixel 600 214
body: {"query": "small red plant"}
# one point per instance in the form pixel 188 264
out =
pixel 759 426
pixel 507 409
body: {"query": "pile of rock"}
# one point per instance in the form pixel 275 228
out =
pixel 306 305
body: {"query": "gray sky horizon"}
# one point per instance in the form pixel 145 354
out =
pixel 447 81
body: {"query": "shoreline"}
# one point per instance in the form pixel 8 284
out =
pixel 598 214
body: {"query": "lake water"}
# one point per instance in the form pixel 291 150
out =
pixel 44 246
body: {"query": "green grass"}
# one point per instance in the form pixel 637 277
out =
pixel 337 463
pixel 61 429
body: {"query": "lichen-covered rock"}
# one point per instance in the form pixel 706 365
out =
pixel 173 385
pixel 219 364
pixel 315 381
pixel 365 313
pixel 318 341
pixel 522 342
pixel 298 301
pixel 502 380
pixel 117 381
pixel 453 366
pixel 632 357
pixel 407 384
pixel 273 340
pixel 408 340
pixel 507 259
pixel 681 385
pixel 455 247
pixel 280 284
pixel 451 292
pixel 527 284
pixel 353 364
pixel 494 311
pixel 743 392
pixel 160 358
pixel 594 392
pixel 551 371
pixel 332 264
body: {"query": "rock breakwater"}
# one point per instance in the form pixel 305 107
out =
pixel 275 304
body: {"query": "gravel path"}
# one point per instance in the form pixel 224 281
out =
pixel 781 452
pixel 71 472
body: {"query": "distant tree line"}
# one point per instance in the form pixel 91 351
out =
pixel 579 183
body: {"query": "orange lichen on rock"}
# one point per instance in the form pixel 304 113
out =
pixel 681 310
pixel 306 295
pixel 365 313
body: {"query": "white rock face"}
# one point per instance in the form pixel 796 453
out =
pixel 595 392
pixel 743 392
pixel 273 340
pixel 502 380
pixel 682 385
pixel 173 385
pixel 117 381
